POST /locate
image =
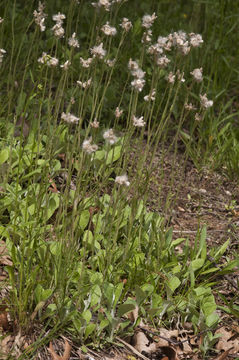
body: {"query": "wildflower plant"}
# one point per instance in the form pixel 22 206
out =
pixel 74 181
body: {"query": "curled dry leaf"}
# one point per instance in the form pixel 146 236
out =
pixel 227 341
pixel 66 355
pixel 142 343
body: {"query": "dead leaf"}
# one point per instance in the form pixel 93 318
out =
pixel 142 343
pixel 66 355
pixel 227 341
pixel 223 356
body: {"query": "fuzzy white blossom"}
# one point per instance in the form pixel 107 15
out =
pixel 57 28
pixel 1 20
pixel 66 65
pixel 88 147
pixel 147 37
pixel 148 20
pixel 69 118
pixel 58 18
pixel 95 124
pixel 126 24
pixel 109 30
pixel 84 84
pixel 195 39
pixel 205 102
pixel 2 53
pixel 163 61
pixel 122 180
pixel 138 84
pixel 102 3
pixel 118 112
pixel 155 49
pixel 110 63
pixel 190 107
pixel 138 121
pixel 110 137
pixel 197 74
pixel 98 51
pixel 86 63
pixel 133 65
pixel 48 60
pixel 73 41
pixel 180 76
pixel 139 73
pixel 171 78
pixel 151 96
pixel 40 16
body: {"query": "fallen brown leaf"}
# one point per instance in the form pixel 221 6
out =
pixel 223 356
pixel 227 341
pixel 66 355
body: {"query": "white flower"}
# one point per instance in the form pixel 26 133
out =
pixel 73 41
pixel 110 137
pixel 69 118
pixel 139 73
pixel 138 84
pixel 163 61
pixel 133 65
pixel 122 180
pixel 195 39
pixel 110 63
pixel 151 96
pixel 95 124
pixel 189 107
pixel 148 20
pixel 198 117
pixel 180 76
pixel 126 24
pixel 58 30
pixel 86 63
pixel 98 51
pixel 197 74
pixel 66 65
pixel 88 147
pixel 109 30
pixel 138 121
pixel 48 60
pixel 58 18
pixel 102 3
pixel 40 16
pixel 118 112
pixel 147 37
pixel 155 49
pixel 205 102
pixel 85 84
pixel 171 78
pixel 1 20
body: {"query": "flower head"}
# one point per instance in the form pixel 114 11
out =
pixel 138 121
pixel 109 30
pixel 197 74
pixel 86 63
pixel 66 65
pixel 98 51
pixel 102 3
pixel 88 147
pixel 73 41
pixel 118 112
pixel 205 102
pixel 151 96
pixel 148 20
pixel 126 24
pixel 84 84
pixel 138 84
pixel 195 39
pixel 110 137
pixel 122 180
pixel 69 118
pixel 48 60
pixel 40 16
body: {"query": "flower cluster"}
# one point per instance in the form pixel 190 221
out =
pixel 118 112
pixel 40 16
pixel 73 42
pixel 57 28
pixel 84 84
pixel 197 74
pixel 151 96
pixel 126 24
pixel 109 30
pixel 48 60
pixel 98 51
pixel 138 74
pixel 2 53
pixel 110 137
pixel 102 3
pixel 66 65
pixel 122 180
pixel 205 103
pixel 69 118
pixel 138 121
pixel 86 63
pixel 88 147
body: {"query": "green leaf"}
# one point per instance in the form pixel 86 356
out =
pixel 222 249
pixel 95 295
pixel 87 316
pixel 53 204
pixel 84 219
pixel 117 293
pixel 89 330
pixel 140 295
pixel 4 155
pixel 113 154
pixel 174 283
pixel 212 319
pixel 197 264
pixel 124 309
